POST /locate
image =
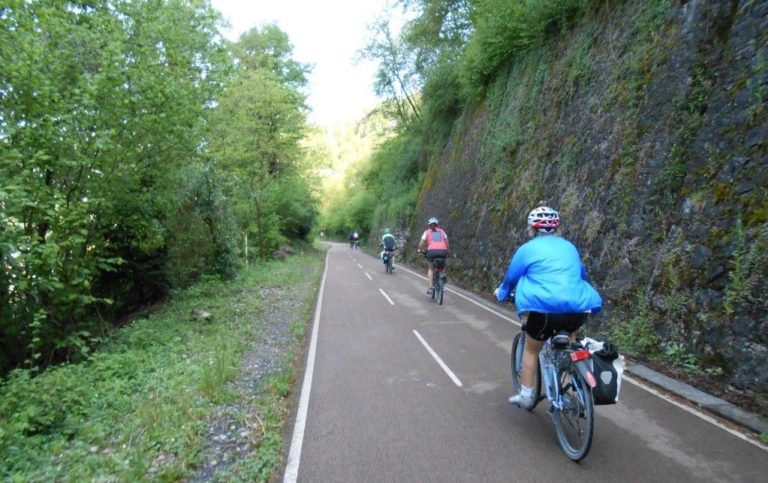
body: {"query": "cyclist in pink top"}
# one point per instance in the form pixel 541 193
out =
pixel 435 241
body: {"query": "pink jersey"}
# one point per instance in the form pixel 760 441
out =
pixel 436 239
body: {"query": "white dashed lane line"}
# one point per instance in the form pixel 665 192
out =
pixel 439 361
pixel 386 297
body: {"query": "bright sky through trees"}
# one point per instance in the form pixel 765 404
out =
pixel 326 34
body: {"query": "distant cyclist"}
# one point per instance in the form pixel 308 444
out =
pixel 435 241
pixel 354 239
pixel 388 245
pixel 551 291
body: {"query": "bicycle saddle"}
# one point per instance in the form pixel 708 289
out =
pixel 561 339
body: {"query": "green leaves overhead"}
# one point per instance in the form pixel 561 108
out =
pixel 396 80
pixel 270 50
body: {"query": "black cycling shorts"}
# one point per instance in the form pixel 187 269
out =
pixel 431 254
pixel 543 326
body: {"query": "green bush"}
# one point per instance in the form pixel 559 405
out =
pixel 505 29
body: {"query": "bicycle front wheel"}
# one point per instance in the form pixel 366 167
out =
pixel 575 420
pixel 518 348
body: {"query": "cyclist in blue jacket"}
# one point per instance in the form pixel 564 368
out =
pixel 551 291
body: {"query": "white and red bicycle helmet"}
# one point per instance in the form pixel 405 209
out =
pixel 544 218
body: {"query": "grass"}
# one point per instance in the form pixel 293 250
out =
pixel 636 335
pixel 139 408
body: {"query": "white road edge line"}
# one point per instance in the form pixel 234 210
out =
pixel 629 379
pixel 367 275
pixel 359 265
pixel 294 456
pixel 386 296
pixel 700 414
pixel 439 361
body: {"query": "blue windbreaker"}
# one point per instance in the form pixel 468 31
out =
pixel 548 277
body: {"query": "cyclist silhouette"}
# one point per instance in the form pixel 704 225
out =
pixel 551 291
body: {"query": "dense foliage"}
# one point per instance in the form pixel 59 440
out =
pixel 125 163
pixel 140 409
pixel 443 60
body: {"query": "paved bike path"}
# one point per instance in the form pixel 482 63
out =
pixel 382 408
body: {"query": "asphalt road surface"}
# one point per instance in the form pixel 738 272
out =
pixel 399 389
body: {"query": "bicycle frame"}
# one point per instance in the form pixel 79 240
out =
pixel 389 254
pixel 550 358
pixel 568 381
pixel 438 279
pixel 438 266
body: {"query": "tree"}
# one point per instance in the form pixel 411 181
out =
pixel 397 80
pixel 255 139
pixel 439 29
pixel 101 104
pixel 270 50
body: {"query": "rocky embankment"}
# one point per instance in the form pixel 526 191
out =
pixel 647 128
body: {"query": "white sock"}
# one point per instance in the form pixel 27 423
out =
pixel 526 391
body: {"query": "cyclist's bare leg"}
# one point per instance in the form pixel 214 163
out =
pixel 429 274
pixel 530 359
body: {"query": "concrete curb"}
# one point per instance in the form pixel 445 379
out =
pixel 701 398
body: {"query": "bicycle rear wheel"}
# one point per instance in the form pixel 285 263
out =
pixel 575 421
pixel 440 289
pixel 518 348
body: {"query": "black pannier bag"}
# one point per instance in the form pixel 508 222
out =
pixel 608 367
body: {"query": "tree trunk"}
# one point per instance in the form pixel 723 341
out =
pixel 260 225
pixel 245 247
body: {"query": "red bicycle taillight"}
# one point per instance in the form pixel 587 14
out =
pixel 579 355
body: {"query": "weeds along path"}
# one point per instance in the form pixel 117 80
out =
pixel 244 442
pixel 197 390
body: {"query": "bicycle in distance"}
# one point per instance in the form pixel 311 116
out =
pixel 565 370
pixel 387 257
pixel 439 278
pixel 354 240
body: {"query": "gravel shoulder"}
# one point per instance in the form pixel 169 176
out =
pixel 236 429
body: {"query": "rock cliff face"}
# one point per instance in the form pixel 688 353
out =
pixel 647 128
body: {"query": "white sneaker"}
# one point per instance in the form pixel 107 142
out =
pixel 525 402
